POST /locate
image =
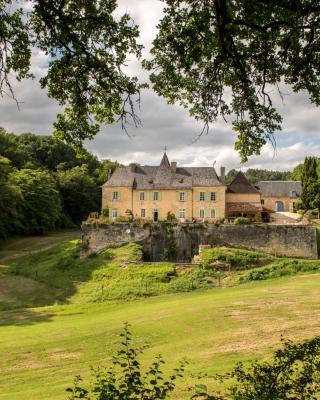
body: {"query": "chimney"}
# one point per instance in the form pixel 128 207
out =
pixel 223 174
pixel 133 167
pixel 174 167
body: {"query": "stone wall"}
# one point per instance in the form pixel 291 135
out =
pixel 282 240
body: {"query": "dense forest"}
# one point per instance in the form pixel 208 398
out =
pixel 45 184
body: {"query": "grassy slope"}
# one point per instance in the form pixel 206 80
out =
pixel 43 348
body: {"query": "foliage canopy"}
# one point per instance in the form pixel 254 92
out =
pixel 218 58
pixel 225 57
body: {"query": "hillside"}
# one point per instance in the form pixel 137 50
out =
pixel 79 309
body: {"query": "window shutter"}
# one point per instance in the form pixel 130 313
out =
pixel 118 212
pixel 160 195
pixel 110 196
pixel 216 198
pixel 186 213
pixel 110 212
pixel 119 195
pixel 199 197
pixel 177 196
pixel 207 213
pixel 151 213
pixel 177 213
pixel 185 196
pixel 137 196
pixel 159 214
pixel 145 196
pixel 207 196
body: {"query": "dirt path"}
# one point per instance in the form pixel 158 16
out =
pixel 26 253
pixel 27 246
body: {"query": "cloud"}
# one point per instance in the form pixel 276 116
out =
pixel 167 125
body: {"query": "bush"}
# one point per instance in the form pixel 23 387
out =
pixel 242 221
pixel 125 378
pixel 105 212
pixel 221 257
pixel 281 267
pixel 171 217
pixel 292 373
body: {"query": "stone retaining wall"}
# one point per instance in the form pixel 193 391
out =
pixel 282 240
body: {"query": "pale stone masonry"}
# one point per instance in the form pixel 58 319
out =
pixel 190 193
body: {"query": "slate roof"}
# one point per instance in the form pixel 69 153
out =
pixel 279 188
pixel 240 184
pixel 163 177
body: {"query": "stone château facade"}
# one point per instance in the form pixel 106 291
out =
pixel 190 193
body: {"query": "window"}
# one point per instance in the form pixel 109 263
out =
pixel 114 212
pixel 182 213
pixel 294 194
pixel 141 196
pixel 201 212
pixel 155 196
pixel 182 196
pixel 115 196
pixel 201 196
pixel 143 212
pixel 262 201
pixel 213 213
pixel 213 196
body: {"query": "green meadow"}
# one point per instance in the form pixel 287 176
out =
pixel 59 315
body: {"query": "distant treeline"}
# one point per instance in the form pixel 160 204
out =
pixel 45 184
pixel 255 175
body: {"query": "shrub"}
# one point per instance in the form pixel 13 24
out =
pixel 242 221
pixel 105 212
pixel 121 218
pixel 125 379
pixel 171 217
pixel 129 215
pixel 292 373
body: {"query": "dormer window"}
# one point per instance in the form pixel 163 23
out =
pixel 294 194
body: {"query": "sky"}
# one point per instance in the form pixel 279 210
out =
pixel 166 125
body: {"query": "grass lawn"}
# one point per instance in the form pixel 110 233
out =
pixel 44 347
pixel 24 246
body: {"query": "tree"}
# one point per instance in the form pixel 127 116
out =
pixel 104 170
pixel 309 182
pixel 40 208
pixel 10 197
pixel 225 57
pixel 9 148
pixel 80 193
pixel 87 46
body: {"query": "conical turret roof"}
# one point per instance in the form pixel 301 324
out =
pixel 165 161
